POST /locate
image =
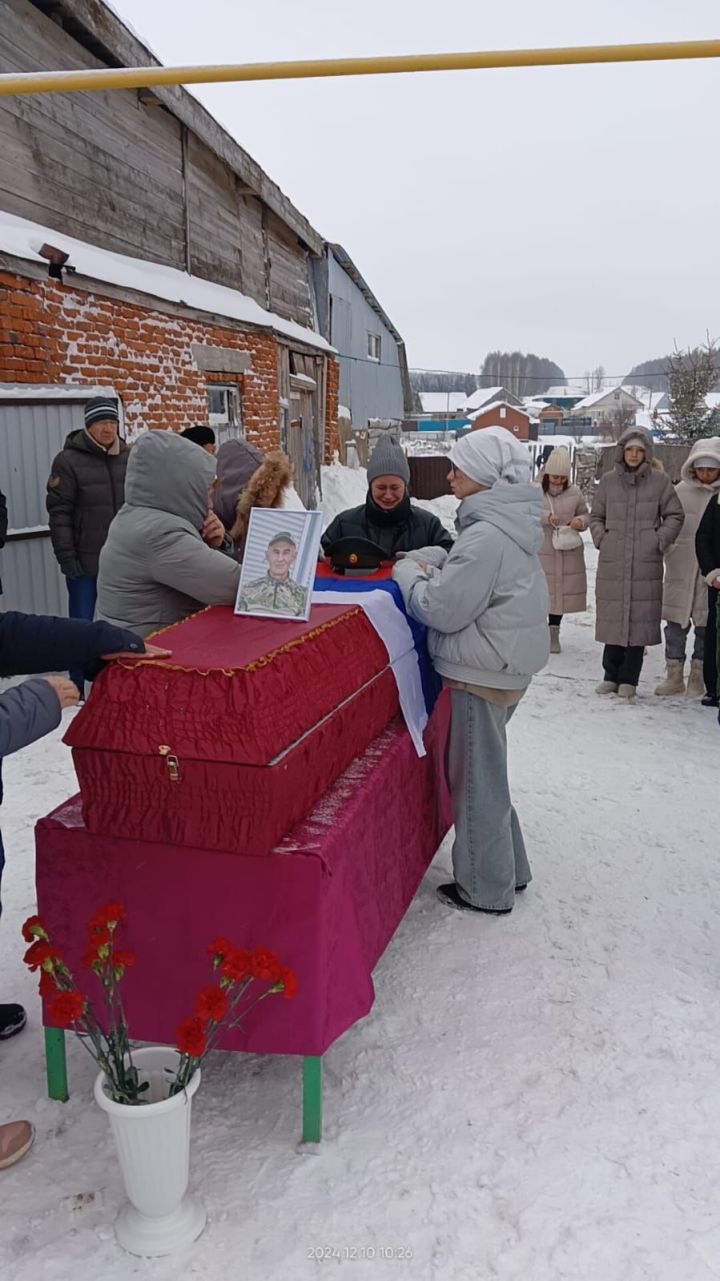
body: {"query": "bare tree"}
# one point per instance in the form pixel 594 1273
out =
pixel 598 377
pixel 691 375
pixel 615 422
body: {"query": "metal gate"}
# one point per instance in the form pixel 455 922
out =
pixel 32 432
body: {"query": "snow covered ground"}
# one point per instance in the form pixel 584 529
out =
pixel 533 1097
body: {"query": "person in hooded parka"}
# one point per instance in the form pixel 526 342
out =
pixel 163 558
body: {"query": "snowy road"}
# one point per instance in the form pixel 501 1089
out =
pixel 533 1097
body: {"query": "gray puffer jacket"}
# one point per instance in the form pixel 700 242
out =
pixel 636 516
pixel 155 568
pixel 487 607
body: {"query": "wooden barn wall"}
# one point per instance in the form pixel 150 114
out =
pixel 289 273
pixel 216 248
pixel 98 166
pixel 127 175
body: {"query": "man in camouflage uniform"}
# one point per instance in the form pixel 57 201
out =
pixel 276 592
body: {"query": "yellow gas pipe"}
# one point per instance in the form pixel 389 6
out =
pixel 148 77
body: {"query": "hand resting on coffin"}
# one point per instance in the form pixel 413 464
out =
pixel 151 651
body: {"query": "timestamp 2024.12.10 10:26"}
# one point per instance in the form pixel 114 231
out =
pixel 340 1252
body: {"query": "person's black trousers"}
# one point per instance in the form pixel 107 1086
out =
pixel 710 664
pixel 622 664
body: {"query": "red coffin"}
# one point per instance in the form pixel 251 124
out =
pixel 233 739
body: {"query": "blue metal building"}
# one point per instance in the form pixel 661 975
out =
pixel 374 379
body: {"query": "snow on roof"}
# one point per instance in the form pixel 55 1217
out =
pixel 442 402
pixel 496 404
pixel 534 405
pixel 598 396
pixel 482 396
pixel 571 389
pixel 23 239
pixel 54 391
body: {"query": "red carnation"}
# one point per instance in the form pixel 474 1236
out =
pixel 236 965
pixel 220 947
pixel 123 960
pixel 98 933
pixel 41 954
pixel 67 1008
pixel 211 1003
pixel 47 986
pixel 109 914
pixel 34 928
pixel 265 965
pixel 192 1037
pixel 90 957
pixel 289 982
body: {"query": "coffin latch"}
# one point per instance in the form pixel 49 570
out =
pixel 172 763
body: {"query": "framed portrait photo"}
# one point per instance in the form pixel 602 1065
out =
pixel 278 568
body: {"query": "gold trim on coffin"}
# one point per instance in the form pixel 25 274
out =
pixel 265 661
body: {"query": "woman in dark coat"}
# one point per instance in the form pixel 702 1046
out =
pixel 387 517
pixel 707 547
pixel 636 516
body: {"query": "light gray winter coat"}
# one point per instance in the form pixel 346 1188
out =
pixel 487 606
pixel 685 596
pixel 636 516
pixel 155 568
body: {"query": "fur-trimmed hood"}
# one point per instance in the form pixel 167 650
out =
pixel 264 489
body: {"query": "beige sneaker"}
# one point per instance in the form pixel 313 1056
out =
pixel 16 1138
pixel 627 692
pixel 606 687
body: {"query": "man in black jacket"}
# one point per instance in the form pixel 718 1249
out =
pixel 29 643
pixel 85 490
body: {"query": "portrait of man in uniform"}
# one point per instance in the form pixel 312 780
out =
pixel 276 592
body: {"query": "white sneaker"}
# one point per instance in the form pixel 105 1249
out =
pixel 606 687
pixel 627 692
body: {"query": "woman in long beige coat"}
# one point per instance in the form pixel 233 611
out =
pixel 685 596
pixel 636 516
pixel 563 504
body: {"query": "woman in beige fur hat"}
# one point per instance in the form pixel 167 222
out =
pixel 563 504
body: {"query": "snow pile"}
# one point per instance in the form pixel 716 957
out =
pixel 534 1096
pixel 342 487
pixel 445 508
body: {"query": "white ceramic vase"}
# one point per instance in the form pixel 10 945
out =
pixel 153 1147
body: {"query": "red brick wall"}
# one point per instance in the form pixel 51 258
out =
pixel 332 439
pixel 51 333
pixel 514 421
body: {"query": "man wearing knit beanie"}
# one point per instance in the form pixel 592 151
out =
pixel 388 518
pixel 85 490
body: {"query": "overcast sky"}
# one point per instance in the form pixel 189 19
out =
pixel 568 211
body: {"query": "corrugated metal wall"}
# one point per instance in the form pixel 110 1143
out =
pixel 31 434
pixel 369 389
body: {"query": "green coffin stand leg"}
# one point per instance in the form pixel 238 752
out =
pixel 312 1099
pixel 55 1064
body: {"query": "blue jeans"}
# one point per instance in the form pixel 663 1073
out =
pixel 82 597
pixel 489 857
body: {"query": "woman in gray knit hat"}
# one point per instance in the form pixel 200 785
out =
pixel 387 517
